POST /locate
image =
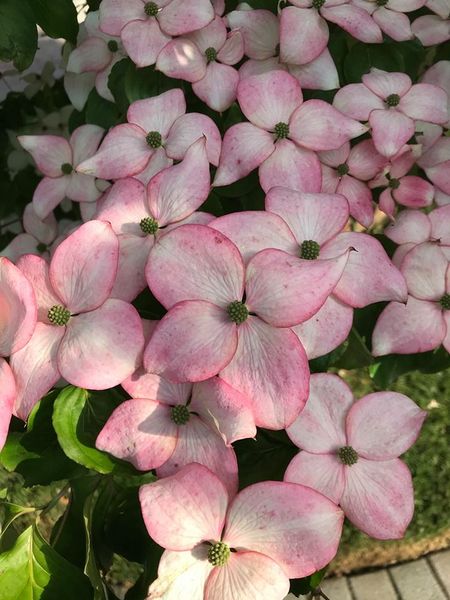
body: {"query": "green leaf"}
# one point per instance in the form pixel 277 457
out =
pixel 58 18
pixel 32 570
pixel 78 417
pixel 388 368
pixel 101 112
pixel 91 568
pixel 362 57
pixel 356 354
pixel 18 33
pixel 9 512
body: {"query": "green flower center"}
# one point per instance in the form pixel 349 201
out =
pixel 309 250
pixel 394 184
pixel 211 54
pixel 393 100
pixel 66 168
pixel 237 311
pixel 153 139
pixel 342 169
pixel 149 225
pixel 281 130
pixel 113 45
pixel 41 247
pixel 218 554
pixel 445 301
pixel 151 9
pixel 180 414
pixel 58 315
pixel 317 4
pixel 347 455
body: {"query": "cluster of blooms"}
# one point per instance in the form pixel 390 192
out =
pixel 250 296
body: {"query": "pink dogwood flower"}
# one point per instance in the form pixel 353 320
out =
pixel 169 425
pixel 146 27
pixel 233 320
pixel 345 171
pixel 18 310
pixel 157 130
pixel 304 31
pixel 246 547
pixel 436 164
pixel 283 134
pixel 140 214
pixel 350 453
pixel 58 160
pixel 390 16
pixel 7 399
pixel 82 335
pixel 310 226
pixel 433 29
pixel 400 188
pixel 205 58
pixel 391 104
pixel 423 323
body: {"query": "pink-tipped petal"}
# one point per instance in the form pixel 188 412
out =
pixel 284 290
pixel 91 55
pixel 246 575
pixel 359 199
pixel 271 368
pixel 292 524
pixel 414 192
pixel 102 347
pixel 269 99
pixel 395 24
pixel 356 21
pixel 291 166
pixel 225 409
pixel 233 49
pixel 36 272
pixel 218 87
pixel 320 428
pixel 84 266
pixel 125 206
pixel 143 41
pixel 357 101
pixel 317 217
pixel 48 194
pixel 268 231
pixel 182 574
pixel 439 218
pixel 49 152
pixel 141 432
pixel 379 498
pixel 303 35
pixel 35 369
pixel 369 275
pixel 81 188
pixel 181 59
pixel 409 226
pixel 78 87
pixel 431 30
pixel 383 425
pixel 7 399
pixel 176 192
pixel 327 329
pixel 319 74
pixel 203 264
pixel 18 308
pixel 417 326
pixel 364 162
pixel 183 16
pixel 424 269
pixel 260 30
pixel 114 14
pixel 184 509
pixel 147 385
pixel 187 129
pixel 322 472
pixel 122 153
pixel 159 112
pixel 383 84
pixel 45 230
pixel 197 442
pixel 208 348
pixel 390 130
pixel 244 148
pixel 133 256
pixel 84 141
pixel 319 126
pixel 426 102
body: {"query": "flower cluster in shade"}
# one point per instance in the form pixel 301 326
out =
pixel 248 297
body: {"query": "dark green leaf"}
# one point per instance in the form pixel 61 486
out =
pixel 356 353
pixel 18 33
pixel 58 18
pixel 32 570
pixel 362 57
pixel 91 568
pixel 388 368
pixel 9 512
pixel 101 112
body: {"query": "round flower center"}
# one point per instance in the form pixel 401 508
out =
pixel 153 139
pixel 41 247
pixel 394 184
pixel 347 455
pixel 58 315
pixel 317 4
pixel 211 54
pixel 149 225
pixel 151 9
pixel 113 45
pixel 342 169
pixel 218 554
pixel 281 130
pixel 180 414
pixel 445 301
pixel 309 250
pixel 237 311
pixel 66 168
pixel 393 100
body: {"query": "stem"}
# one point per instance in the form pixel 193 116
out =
pixel 54 500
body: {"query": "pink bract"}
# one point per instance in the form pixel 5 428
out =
pixel 7 399
pixel 268 526
pixel 350 453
